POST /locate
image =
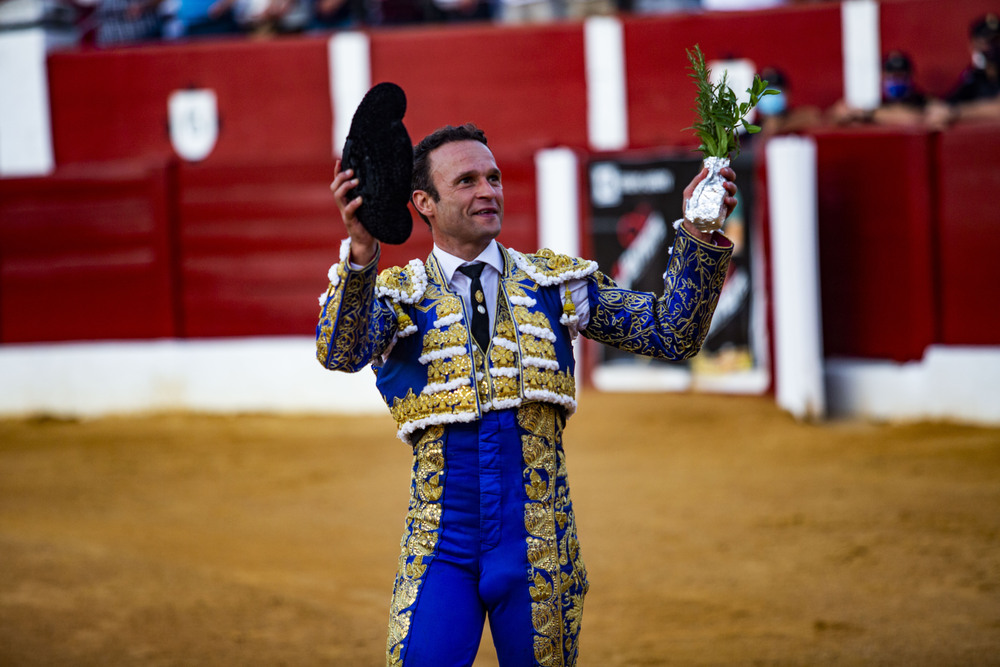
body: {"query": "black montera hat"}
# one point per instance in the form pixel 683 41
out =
pixel 379 151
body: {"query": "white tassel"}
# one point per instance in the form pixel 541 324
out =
pixel 407 429
pixel 447 320
pixel 551 397
pixel 442 387
pixel 444 353
pixel 537 332
pixel 522 301
pixel 505 344
pixel 538 362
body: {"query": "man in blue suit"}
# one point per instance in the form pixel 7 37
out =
pixel 472 351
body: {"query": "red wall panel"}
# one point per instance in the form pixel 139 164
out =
pixel 804 42
pixel 969 235
pixel 876 238
pixel 273 99
pixel 242 245
pixel 256 243
pixel 524 86
pixel 255 246
pixel 86 256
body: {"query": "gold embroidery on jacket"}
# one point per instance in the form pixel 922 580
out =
pixel 420 537
pixel 504 374
pixel 411 407
pixel 445 350
pixel 558 578
pixel 344 323
pixel 521 363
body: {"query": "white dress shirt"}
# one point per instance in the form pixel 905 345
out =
pixel 459 283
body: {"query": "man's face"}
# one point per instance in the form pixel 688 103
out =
pixel 469 212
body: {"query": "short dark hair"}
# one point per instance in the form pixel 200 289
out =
pixel 422 155
pixel 897 62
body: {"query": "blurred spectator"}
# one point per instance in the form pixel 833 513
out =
pixel 268 17
pixel 977 94
pixel 578 9
pixel 984 34
pixel 528 11
pixel 458 11
pixel 127 21
pixel 395 12
pixel 902 102
pixel 336 14
pixel 662 6
pixel 776 114
pixel 195 18
pixel 60 20
pixel 740 5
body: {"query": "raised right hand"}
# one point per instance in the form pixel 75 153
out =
pixel 363 244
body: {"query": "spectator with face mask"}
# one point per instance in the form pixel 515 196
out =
pixel 902 101
pixel 976 96
pixel 984 35
pixel 776 114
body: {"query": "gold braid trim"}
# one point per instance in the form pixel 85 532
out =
pixel 343 325
pixel 558 578
pixel 420 538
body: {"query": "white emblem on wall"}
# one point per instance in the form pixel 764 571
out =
pixel 194 123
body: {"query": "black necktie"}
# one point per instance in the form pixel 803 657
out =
pixel 480 319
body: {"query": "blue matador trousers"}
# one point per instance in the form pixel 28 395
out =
pixel 489 532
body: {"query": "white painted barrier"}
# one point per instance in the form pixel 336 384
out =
pixel 798 331
pixel 215 375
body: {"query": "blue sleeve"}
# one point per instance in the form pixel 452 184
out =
pixel 354 326
pixel 672 326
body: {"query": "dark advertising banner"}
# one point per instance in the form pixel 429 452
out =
pixel 634 201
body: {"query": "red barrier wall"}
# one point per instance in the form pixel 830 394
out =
pixel 525 85
pixel 969 177
pixel 138 252
pixel 273 100
pixel 877 243
pixel 87 256
pixel 239 244
pixel 255 243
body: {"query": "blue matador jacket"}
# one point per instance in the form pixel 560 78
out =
pixel 415 332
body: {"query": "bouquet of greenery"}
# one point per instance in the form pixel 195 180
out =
pixel 720 116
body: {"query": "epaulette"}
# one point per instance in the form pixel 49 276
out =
pixel 405 284
pixel 548 268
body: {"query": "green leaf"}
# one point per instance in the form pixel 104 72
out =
pixel 718 110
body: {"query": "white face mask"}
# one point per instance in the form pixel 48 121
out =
pixel 979 60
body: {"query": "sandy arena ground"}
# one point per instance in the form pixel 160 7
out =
pixel 716 532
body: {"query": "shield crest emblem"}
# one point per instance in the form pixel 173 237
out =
pixel 194 123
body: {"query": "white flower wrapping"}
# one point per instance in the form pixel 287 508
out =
pixel 706 209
